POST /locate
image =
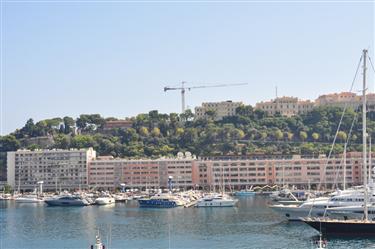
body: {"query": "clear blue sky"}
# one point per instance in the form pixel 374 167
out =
pixel 115 58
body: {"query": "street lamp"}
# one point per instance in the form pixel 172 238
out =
pixel 40 187
pixel 170 183
pixel 122 187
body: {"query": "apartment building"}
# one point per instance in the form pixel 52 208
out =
pixel 345 99
pixel 65 169
pixel 220 109
pixel 296 171
pixel 110 173
pixel 73 169
pixel 286 106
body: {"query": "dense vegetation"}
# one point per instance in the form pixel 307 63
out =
pixel 155 134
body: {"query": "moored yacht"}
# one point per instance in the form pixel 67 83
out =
pixel 244 192
pixel 29 199
pixel 161 201
pixel 105 200
pixel 218 200
pixel 67 200
pixel 316 207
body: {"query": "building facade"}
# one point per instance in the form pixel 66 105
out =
pixel 220 109
pixel 345 99
pixel 298 171
pixel 286 106
pixel 65 169
pixel 110 173
pixel 74 169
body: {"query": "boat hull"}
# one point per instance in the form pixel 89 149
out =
pixel 26 200
pixel 295 213
pixel 65 203
pixel 150 203
pixel 243 193
pixel 228 203
pixel 355 228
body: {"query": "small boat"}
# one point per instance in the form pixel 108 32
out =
pixel 161 201
pixel 105 200
pixel 244 192
pixel 67 200
pixel 29 199
pixel 98 243
pixel 321 242
pixel 216 201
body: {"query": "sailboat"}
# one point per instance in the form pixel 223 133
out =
pixel 354 227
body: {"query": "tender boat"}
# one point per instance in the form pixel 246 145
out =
pixel 67 200
pixel 216 201
pixel 105 200
pixel 161 201
pixel 98 243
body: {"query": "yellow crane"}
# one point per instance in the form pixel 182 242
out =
pixel 183 89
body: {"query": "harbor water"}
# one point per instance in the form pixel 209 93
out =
pixel 123 225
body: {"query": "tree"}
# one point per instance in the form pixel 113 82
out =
pixel 303 135
pixel 9 143
pixel 278 134
pixel 341 135
pixel 143 131
pixel 155 132
pixel 83 141
pixel 315 136
pixel 69 123
pixel 289 136
pixel 62 141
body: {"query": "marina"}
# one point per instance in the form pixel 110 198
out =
pixel 250 224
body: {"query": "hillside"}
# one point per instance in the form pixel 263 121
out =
pixel 155 134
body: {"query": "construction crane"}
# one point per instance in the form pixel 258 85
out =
pixel 183 89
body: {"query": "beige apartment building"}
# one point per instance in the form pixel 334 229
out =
pixel 65 169
pixel 286 106
pixel 221 109
pixel 297 170
pixel 110 173
pixel 348 99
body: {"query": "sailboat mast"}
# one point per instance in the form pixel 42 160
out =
pixel 344 165
pixel 364 134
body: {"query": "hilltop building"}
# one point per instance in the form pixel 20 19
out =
pixel 286 106
pixel 348 99
pixel 120 124
pixel 220 109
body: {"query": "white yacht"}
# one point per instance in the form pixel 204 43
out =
pixel 216 201
pixel 352 212
pixel 29 199
pixel 317 207
pixel 105 200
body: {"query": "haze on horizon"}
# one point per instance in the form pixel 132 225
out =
pixel 65 59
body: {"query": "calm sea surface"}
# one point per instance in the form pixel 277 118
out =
pixel 249 225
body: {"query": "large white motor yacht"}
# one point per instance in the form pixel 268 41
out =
pixel 317 207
